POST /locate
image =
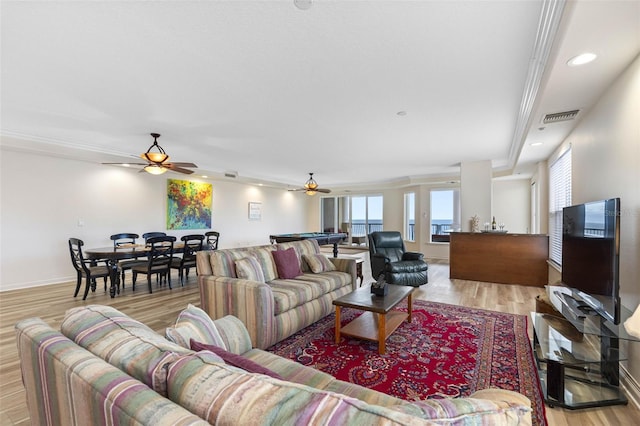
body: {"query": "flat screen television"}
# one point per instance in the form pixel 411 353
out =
pixel 590 255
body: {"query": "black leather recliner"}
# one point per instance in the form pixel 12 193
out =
pixel 389 257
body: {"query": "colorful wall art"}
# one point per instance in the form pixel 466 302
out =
pixel 188 204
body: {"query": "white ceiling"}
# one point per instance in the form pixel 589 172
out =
pixel 274 92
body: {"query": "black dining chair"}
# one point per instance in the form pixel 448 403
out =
pixel 192 244
pixel 212 240
pixel 123 240
pixel 158 261
pixel 148 235
pixel 86 268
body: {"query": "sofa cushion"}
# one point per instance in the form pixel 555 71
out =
pixel 223 262
pixel 471 411
pixel 123 342
pixel 248 268
pixel 318 263
pixel 287 263
pixel 289 294
pixel 234 359
pixel 194 323
pixel 222 394
pixel 264 258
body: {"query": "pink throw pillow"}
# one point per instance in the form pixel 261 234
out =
pixel 234 359
pixel 287 263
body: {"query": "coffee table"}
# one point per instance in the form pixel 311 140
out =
pixel 379 319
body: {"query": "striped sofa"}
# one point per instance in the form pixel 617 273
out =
pixel 271 308
pixel 105 368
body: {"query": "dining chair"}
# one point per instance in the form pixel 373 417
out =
pixel 158 261
pixel 86 268
pixel 122 240
pixel 192 244
pixel 212 240
pixel 148 235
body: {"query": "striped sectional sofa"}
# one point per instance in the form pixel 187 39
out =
pixel 272 308
pixel 105 368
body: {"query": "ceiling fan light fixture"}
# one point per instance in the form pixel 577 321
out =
pixel 310 192
pixel 155 157
pixel 311 184
pixel 155 169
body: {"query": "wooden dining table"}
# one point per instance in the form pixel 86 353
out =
pixel 112 255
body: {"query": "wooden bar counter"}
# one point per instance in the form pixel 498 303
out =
pixel 499 257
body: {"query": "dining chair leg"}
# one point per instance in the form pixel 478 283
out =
pixel 78 284
pixel 86 289
pixel 169 279
pixel 149 283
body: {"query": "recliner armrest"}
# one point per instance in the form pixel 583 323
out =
pixel 378 262
pixel 412 255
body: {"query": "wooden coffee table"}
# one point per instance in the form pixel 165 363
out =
pixel 379 319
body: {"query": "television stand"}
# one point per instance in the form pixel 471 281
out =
pixel 579 371
pixel 577 308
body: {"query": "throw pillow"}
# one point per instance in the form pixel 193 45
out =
pixel 233 359
pixel 248 268
pixel 194 323
pixel 287 263
pixel 318 263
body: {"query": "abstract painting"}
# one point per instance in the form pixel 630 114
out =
pixel 188 204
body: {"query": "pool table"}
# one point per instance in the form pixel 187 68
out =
pixel 322 238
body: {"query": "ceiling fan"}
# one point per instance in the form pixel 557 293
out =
pixel 311 187
pixel 158 160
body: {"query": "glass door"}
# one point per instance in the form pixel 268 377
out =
pixel 366 217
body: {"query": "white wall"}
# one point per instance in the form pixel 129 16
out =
pixel 475 193
pixel 512 204
pixel 44 198
pixel 605 149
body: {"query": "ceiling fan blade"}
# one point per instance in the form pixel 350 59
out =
pixel 174 168
pixel 296 189
pixel 324 191
pixel 184 164
pixel 130 164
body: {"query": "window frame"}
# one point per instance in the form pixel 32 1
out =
pixel 559 197
pixel 456 213
pixel 409 214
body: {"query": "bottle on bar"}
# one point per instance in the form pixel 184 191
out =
pixel 493 224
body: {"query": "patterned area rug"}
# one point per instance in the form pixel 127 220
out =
pixel 446 351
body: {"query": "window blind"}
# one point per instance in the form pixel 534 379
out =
pixel 559 197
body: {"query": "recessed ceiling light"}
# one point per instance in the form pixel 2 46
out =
pixel 583 58
pixel 536 144
pixel 126 165
pixel 204 176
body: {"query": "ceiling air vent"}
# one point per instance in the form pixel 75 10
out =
pixel 232 175
pixel 560 116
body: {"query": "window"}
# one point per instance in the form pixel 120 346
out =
pixel 366 216
pixel 445 213
pixel 329 215
pixel 409 215
pixel 559 197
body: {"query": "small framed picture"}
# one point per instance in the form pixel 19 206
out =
pixel 255 211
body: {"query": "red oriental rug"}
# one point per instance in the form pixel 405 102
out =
pixel 446 351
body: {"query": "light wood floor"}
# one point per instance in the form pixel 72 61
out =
pixel 159 310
